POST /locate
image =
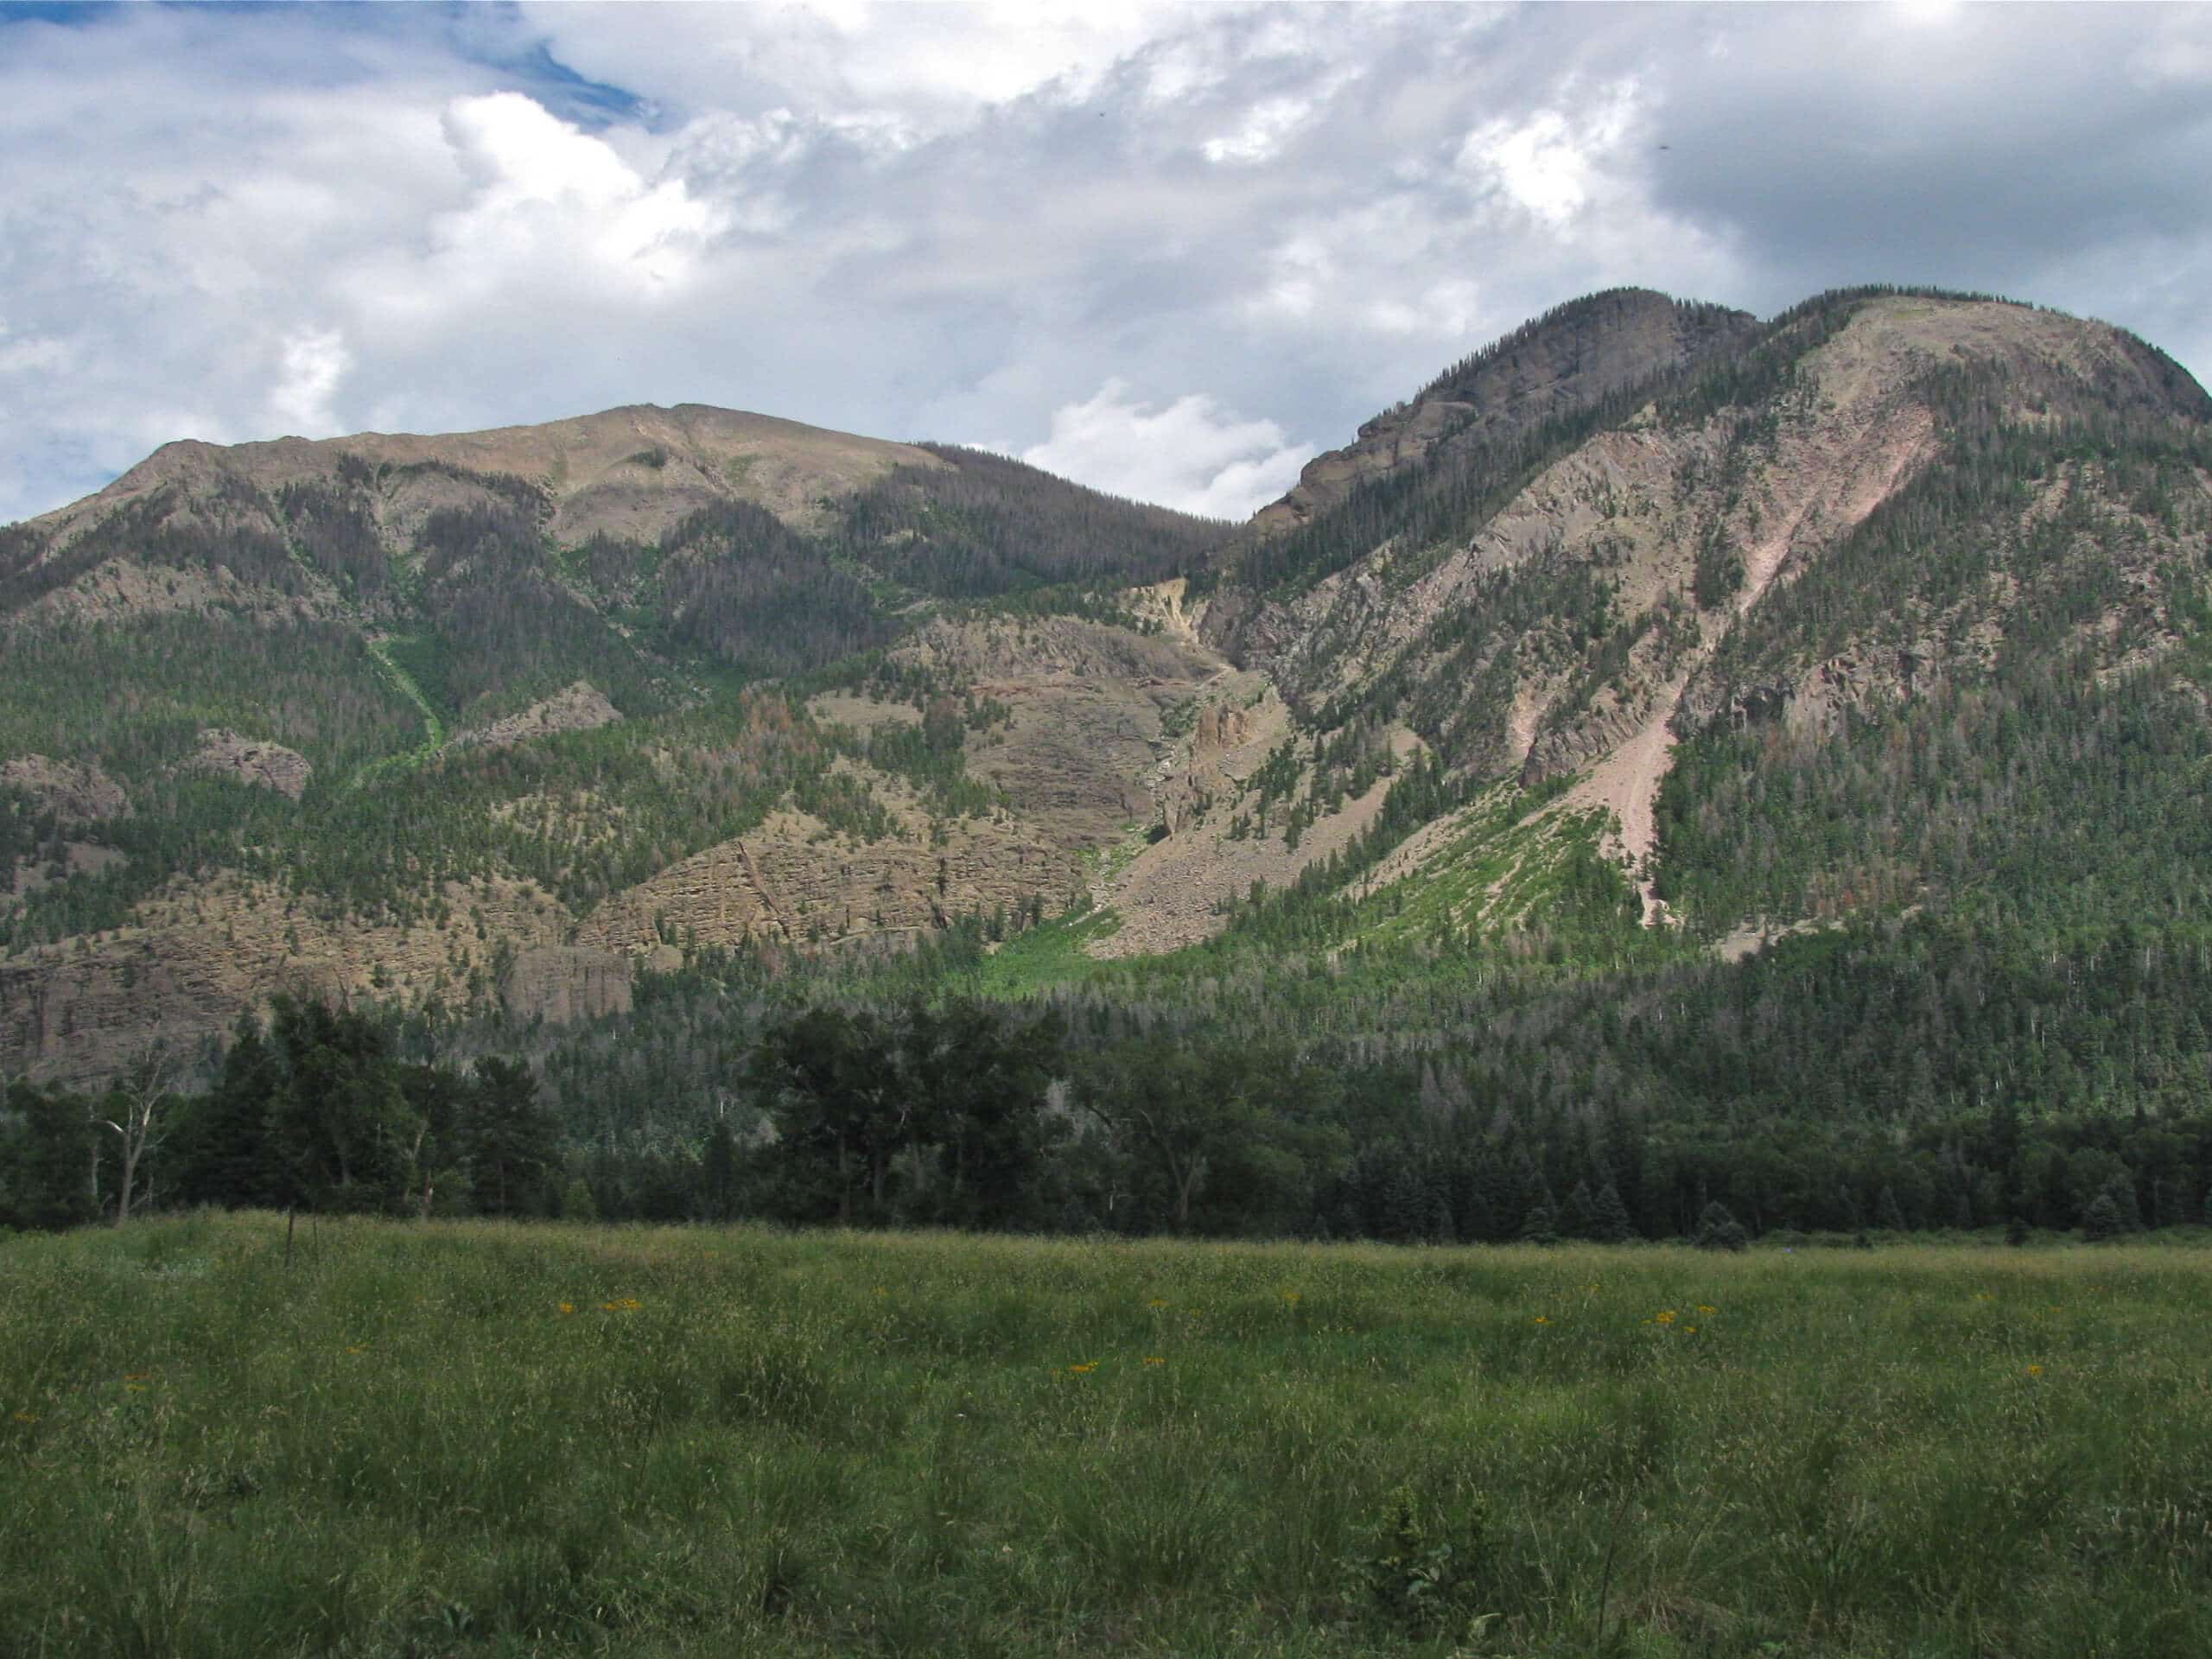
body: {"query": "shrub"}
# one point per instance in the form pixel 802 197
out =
pixel 2103 1219
pixel 1719 1231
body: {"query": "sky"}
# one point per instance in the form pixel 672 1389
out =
pixel 1169 251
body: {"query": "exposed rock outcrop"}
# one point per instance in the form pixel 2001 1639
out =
pixel 581 708
pixel 561 982
pixel 248 760
pixel 73 793
pixel 198 954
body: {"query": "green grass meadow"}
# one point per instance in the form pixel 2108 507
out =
pixel 497 1439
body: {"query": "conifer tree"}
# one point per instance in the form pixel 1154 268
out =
pixel 1611 1223
pixel 45 1142
pixel 1540 1226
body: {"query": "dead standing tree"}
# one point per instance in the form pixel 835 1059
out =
pixel 149 1083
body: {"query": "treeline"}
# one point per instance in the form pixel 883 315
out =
pixel 1914 1080
pixel 879 1120
pixel 1796 1086
pixel 314 1113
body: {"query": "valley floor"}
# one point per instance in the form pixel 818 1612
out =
pixel 481 1438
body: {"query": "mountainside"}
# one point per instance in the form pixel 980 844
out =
pixel 1646 634
pixel 484 722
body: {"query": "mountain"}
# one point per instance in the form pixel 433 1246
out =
pixel 486 720
pixel 1647 635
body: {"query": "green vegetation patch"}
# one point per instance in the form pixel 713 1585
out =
pixel 1055 952
pixel 477 1438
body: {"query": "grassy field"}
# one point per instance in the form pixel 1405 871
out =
pixel 492 1439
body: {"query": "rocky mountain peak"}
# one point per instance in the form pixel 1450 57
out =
pixel 1565 360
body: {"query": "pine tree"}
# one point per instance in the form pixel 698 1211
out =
pixel 43 1154
pixel 1541 1224
pixel 511 1138
pixel 1612 1225
pixel 222 1153
pixel 577 1203
pixel 1442 1229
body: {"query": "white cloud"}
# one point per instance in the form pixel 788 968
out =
pixel 546 196
pixel 315 361
pixel 917 70
pixel 1261 134
pixel 1192 454
pixel 937 221
pixel 1546 164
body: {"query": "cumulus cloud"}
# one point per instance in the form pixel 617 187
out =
pixel 313 362
pixel 1192 454
pixel 1166 248
pixel 1546 164
pixel 543 196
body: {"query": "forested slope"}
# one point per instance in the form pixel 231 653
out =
pixel 1673 759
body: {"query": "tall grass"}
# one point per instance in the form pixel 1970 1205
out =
pixel 744 1442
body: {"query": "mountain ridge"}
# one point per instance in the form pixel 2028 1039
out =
pixel 1483 669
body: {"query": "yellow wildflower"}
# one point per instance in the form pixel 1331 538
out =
pixel 135 1387
pixel 2035 1371
pixel 1706 1307
pixel 1540 1319
pixel 26 1417
pixel 136 1376
pixel 1157 1301
pixel 568 1307
pixel 357 1349
pixel 1290 1296
pixel 1086 1368
pixel 1155 1359
pixel 1689 1330
pixel 1665 1316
